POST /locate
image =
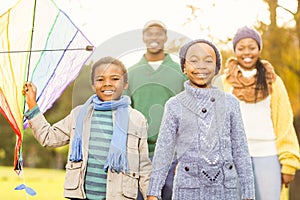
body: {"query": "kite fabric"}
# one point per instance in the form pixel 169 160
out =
pixel 38 43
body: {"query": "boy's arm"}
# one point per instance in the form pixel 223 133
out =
pixel 53 136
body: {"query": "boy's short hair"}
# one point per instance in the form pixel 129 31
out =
pixel 109 60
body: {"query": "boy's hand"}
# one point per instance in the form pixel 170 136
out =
pixel 29 91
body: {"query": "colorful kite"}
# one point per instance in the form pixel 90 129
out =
pixel 38 43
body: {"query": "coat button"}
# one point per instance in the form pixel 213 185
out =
pixel 187 169
pixel 133 174
pixel 204 110
pixel 212 99
pixel 230 167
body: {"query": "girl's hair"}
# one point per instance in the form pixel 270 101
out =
pixel 184 49
pixel 261 81
pixel 109 60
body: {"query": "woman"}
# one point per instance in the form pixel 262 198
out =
pixel 266 112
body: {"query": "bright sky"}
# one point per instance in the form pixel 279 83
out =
pixel 101 20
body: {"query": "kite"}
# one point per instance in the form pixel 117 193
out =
pixel 38 43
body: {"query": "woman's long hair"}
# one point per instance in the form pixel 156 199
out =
pixel 261 79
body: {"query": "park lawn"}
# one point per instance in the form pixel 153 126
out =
pixel 47 183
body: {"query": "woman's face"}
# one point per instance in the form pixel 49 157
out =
pixel 247 53
pixel 109 82
pixel 200 65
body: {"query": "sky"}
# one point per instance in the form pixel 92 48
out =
pixel 103 20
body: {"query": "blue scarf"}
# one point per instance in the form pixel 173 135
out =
pixel 117 158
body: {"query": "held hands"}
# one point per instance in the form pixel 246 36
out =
pixel 152 198
pixel 29 91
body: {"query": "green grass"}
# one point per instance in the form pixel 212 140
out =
pixel 48 183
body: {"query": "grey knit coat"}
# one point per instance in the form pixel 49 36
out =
pixel 204 129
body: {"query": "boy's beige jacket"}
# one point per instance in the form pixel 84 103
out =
pixel 119 186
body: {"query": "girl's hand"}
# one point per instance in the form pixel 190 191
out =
pixel 29 91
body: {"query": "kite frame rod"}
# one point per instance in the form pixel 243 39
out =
pixel 39 50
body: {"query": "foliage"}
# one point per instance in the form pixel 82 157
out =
pixel 282 49
pixel 7 143
pixel 82 88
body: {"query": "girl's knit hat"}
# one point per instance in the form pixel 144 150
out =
pixel 184 48
pixel 247 32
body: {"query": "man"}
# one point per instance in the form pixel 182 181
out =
pixel 152 81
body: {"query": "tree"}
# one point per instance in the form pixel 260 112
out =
pixel 281 44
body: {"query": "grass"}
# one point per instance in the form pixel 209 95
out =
pixel 47 183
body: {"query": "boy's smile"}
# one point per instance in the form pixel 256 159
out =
pixel 109 82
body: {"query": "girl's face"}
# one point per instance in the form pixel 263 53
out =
pixel 200 65
pixel 247 53
pixel 109 82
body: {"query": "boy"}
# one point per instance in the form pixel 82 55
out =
pixel 108 152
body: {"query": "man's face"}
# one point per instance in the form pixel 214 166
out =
pixel 155 38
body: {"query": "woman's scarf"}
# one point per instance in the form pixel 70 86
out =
pixel 244 87
pixel 117 158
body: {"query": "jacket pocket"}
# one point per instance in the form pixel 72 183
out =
pixel 130 185
pixel 187 175
pixel 133 154
pixel 133 141
pixel 73 173
pixel 230 175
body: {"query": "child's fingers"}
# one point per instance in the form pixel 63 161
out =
pixel 25 88
pixel 29 86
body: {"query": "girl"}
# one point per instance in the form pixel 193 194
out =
pixel 108 151
pixel 204 126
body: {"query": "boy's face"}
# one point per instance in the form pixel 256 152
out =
pixel 200 65
pixel 109 82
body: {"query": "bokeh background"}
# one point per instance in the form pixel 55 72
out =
pixel 115 28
